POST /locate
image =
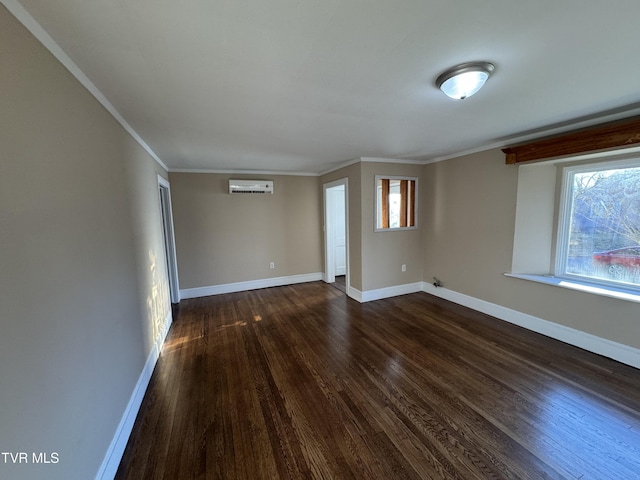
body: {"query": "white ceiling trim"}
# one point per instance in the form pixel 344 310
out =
pixel 374 160
pixel 341 166
pixel 547 131
pixel 391 160
pixel 16 8
pixel 18 11
pixel 244 172
pixel 302 174
pixel 577 124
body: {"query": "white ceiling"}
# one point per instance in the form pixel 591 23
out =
pixel 306 85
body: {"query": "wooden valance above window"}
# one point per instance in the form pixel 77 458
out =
pixel 620 134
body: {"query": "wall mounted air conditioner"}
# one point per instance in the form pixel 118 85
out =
pixel 250 186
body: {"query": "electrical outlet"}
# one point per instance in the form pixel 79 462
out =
pixel 404 267
pixel 272 265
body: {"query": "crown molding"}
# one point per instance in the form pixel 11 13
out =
pixel 391 160
pixel 614 135
pixel 594 120
pixel 340 166
pixel 25 18
pixel 243 172
pixel 30 23
pixel 373 160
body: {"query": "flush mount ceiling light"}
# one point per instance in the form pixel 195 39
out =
pixel 464 80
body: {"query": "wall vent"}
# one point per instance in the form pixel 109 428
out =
pixel 250 186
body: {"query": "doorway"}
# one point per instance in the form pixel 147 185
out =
pixel 336 232
pixel 168 238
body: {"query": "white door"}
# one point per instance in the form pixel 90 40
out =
pixel 336 230
pixel 339 230
pixel 168 237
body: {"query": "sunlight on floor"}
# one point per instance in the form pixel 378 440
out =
pixel 589 424
pixel 173 345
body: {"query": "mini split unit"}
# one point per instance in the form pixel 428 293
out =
pixel 250 186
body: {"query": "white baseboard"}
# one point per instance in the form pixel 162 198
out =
pixel 354 293
pixel 387 292
pixel 112 459
pixel 607 348
pixel 250 285
pixel 617 351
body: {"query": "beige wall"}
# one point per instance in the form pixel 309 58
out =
pixel 82 285
pixel 383 253
pixel 223 238
pixel 375 258
pixel 154 301
pixel 354 175
pixel 468 243
pixel 80 232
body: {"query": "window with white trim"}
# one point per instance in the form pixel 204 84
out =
pixel 396 203
pixel 599 224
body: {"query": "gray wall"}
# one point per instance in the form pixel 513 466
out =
pixel 223 238
pixel 470 207
pixel 81 283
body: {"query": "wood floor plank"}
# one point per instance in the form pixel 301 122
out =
pixel 301 382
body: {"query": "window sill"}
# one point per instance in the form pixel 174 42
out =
pixel 608 291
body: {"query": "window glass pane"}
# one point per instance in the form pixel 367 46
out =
pixel 604 230
pixel 395 203
pixel 379 204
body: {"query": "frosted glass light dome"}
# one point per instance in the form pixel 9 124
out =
pixel 465 79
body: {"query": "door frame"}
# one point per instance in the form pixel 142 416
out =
pixel 169 241
pixel 329 261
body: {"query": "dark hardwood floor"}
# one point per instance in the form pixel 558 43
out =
pixel 301 382
pixel 341 283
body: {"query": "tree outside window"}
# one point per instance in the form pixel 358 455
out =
pixel 601 234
